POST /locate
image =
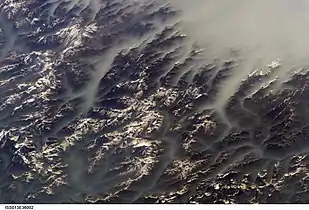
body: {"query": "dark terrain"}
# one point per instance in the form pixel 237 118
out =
pixel 110 102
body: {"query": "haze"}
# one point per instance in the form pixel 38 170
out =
pixel 255 32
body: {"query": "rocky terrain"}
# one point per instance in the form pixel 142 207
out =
pixel 111 102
